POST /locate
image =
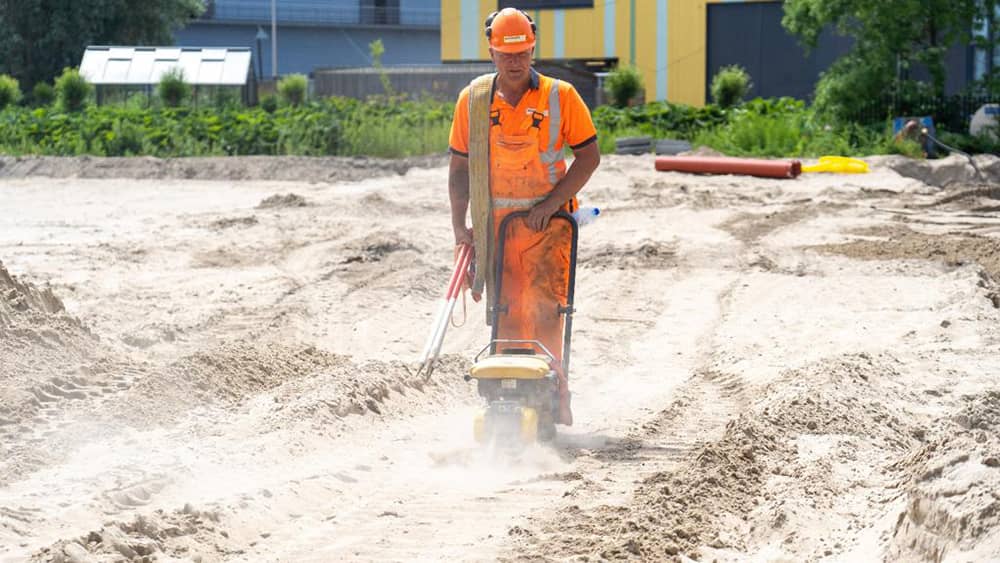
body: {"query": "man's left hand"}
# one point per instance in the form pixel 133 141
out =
pixel 538 217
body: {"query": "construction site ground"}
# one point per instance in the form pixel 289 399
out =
pixel 213 360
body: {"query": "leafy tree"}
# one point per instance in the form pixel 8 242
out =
pixel 892 37
pixel 38 38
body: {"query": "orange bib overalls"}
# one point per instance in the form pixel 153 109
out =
pixel 536 264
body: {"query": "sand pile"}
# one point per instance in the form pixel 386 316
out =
pixel 946 172
pixel 898 242
pixel 647 254
pixel 185 534
pixel 41 345
pixel 284 168
pixel 953 499
pixel 278 201
pixel 730 482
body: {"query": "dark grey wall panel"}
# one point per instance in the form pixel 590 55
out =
pixel 751 36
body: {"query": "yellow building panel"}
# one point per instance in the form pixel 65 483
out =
pixel 486 7
pixel 545 39
pixel 645 44
pixel 584 33
pixel 451 31
pixel 622 30
pixel 686 46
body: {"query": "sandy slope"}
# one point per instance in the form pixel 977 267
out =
pixel 219 369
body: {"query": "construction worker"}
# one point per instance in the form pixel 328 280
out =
pixel 530 119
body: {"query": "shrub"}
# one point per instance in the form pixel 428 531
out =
pixel 623 84
pixel 10 91
pixel 375 50
pixel 730 85
pixel 72 90
pixel 43 94
pixel 269 103
pixel 124 139
pixel 172 89
pixel 224 97
pixel 292 88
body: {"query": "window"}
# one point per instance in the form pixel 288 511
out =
pixel 380 12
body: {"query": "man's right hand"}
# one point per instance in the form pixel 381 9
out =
pixel 463 236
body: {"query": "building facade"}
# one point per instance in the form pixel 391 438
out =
pixel 320 33
pixel 676 44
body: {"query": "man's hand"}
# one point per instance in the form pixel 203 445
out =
pixel 538 217
pixel 463 236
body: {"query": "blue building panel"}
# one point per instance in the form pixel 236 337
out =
pixel 322 34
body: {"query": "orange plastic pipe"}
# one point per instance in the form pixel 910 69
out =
pixel 725 165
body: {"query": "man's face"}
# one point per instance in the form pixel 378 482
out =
pixel 514 66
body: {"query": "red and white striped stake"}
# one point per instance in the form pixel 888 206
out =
pixel 433 347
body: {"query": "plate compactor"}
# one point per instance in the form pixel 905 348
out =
pixel 524 380
pixel 524 377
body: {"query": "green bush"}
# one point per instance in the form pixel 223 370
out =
pixel 124 139
pixel 10 91
pixel 293 88
pixel 172 89
pixel 224 97
pixel 269 103
pixel 623 84
pixel 72 90
pixel 730 85
pixel 337 126
pixel 43 94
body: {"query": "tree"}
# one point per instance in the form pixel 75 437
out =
pixel 38 38
pixel 892 37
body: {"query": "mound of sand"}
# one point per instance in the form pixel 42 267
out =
pixel 278 201
pixel 187 534
pixel 647 254
pixel 724 482
pixel 38 340
pixel 23 303
pixel 902 243
pixel 945 172
pixel 953 495
pixel 282 168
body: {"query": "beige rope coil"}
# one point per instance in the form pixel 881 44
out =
pixel 480 94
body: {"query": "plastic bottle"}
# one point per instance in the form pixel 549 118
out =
pixel 586 215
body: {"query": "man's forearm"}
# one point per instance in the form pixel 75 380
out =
pixel 458 193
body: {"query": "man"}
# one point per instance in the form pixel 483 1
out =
pixel 531 119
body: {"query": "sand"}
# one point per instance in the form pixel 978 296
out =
pixel 213 360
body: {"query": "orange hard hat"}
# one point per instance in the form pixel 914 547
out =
pixel 510 31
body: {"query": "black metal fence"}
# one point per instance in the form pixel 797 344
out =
pixel 949 112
